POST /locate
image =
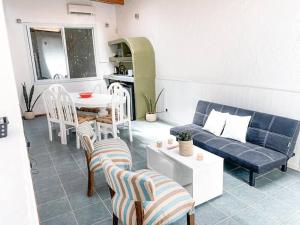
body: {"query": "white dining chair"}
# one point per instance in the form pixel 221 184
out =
pixel 114 87
pixel 53 113
pixel 100 87
pixel 119 115
pixel 70 119
pixel 57 88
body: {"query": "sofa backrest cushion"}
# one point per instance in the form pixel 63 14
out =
pixel 270 131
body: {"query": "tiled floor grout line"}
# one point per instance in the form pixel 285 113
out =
pixel 95 192
pixel 50 201
pixel 54 217
pixel 63 187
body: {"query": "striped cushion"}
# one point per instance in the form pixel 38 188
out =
pixel 116 149
pixel 166 201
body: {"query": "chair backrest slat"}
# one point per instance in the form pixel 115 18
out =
pixel 120 105
pixel 51 105
pixel 68 109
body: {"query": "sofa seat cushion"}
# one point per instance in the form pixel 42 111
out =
pixel 248 155
pixel 192 128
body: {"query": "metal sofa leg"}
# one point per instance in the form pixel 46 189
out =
pixel 284 167
pixel 252 179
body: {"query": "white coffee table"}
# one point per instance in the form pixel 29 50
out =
pixel 203 179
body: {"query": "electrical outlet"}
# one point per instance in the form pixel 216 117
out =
pixel 166 109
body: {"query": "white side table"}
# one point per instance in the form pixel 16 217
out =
pixel 203 179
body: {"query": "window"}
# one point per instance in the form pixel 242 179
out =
pixel 62 53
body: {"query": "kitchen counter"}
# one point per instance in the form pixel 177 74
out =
pixel 123 78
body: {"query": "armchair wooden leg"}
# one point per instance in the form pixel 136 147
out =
pixel 139 213
pixel 90 176
pixel 115 220
pixel 90 183
pixel 190 219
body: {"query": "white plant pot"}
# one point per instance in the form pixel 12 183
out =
pixel 186 148
pixel 151 117
pixel 29 115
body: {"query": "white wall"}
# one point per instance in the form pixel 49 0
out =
pixel 17 202
pixel 243 53
pixel 55 12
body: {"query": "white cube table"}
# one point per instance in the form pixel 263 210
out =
pixel 203 179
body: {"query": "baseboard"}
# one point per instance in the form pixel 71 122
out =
pixel 293 166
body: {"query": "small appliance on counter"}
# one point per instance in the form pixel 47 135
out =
pixel 122 69
pixel 3 126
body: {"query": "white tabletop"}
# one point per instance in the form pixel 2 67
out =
pixel 188 161
pixel 96 101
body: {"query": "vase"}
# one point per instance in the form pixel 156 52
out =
pixel 186 148
pixel 29 115
pixel 151 117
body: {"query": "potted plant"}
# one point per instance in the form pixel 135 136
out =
pixel 29 114
pixel 151 107
pixel 185 143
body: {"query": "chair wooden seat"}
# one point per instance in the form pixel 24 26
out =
pixel 90 110
pixel 85 118
pixel 105 119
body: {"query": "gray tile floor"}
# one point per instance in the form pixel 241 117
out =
pixel 60 182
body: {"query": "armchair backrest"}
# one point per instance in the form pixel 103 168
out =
pixel 127 184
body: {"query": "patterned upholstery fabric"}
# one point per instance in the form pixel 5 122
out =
pixel 270 139
pixel 116 149
pixel 163 200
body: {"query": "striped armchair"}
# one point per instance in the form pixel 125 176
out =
pixel 116 149
pixel 145 197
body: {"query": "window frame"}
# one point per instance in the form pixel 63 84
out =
pixel 62 27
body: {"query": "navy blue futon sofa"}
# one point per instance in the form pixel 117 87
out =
pixel 270 139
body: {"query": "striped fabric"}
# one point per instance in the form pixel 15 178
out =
pixel 116 149
pixel 164 201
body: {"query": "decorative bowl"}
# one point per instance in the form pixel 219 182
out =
pixel 85 94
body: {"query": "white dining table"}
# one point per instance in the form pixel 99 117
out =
pixel 101 101
pixel 96 101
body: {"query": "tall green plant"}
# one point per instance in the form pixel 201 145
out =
pixel 151 103
pixel 28 98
